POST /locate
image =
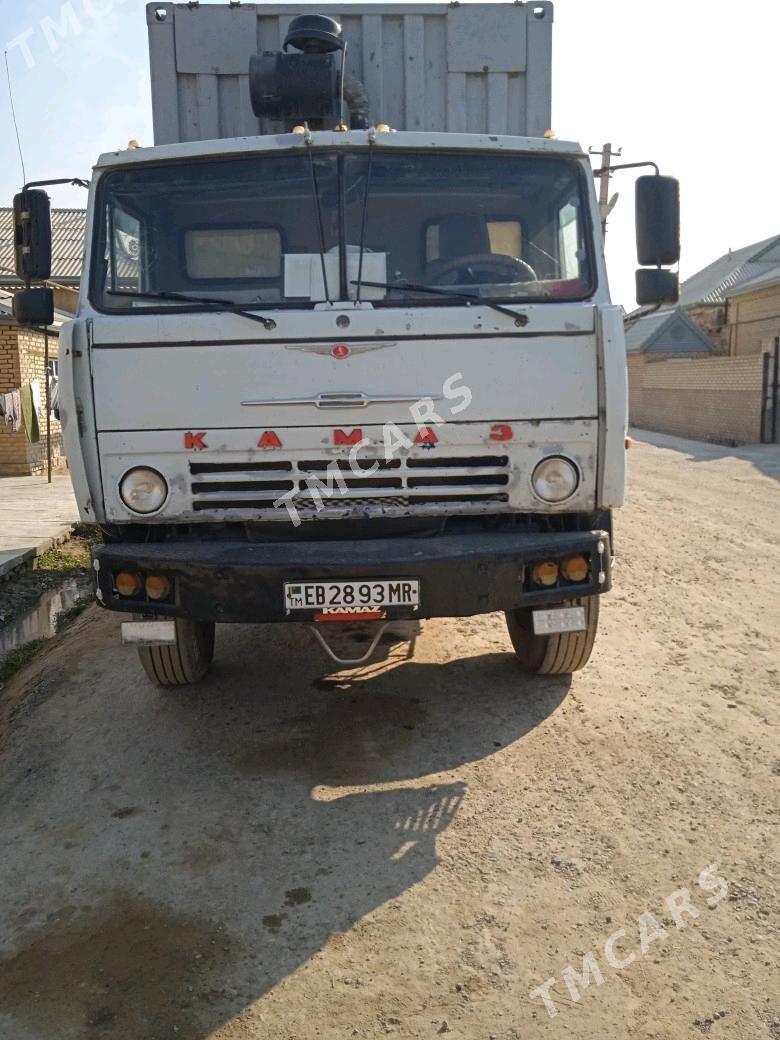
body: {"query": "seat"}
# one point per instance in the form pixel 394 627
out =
pixel 462 235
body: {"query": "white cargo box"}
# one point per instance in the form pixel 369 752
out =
pixel 474 68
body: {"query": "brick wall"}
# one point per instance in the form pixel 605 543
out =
pixel 708 399
pixel 13 446
pixel 754 320
pixel 711 318
pixel 22 359
pixel 9 358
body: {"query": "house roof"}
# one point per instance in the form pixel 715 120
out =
pixel 642 329
pixel 761 281
pixel 729 272
pixel 667 332
pixel 67 252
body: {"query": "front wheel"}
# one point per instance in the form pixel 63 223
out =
pixel 559 653
pixel 182 662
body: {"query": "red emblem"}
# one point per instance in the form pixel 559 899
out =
pixel 194 441
pixel 270 439
pixel 425 435
pixel 341 350
pixel 353 437
pixel 501 432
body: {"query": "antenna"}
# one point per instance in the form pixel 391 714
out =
pixel 13 114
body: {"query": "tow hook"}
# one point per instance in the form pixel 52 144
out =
pixel 349 660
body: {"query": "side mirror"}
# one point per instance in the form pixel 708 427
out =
pixel 654 285
pixel 32 234
pixel 34 306
pixel 657 221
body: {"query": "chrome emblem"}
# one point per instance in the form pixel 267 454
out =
pixel 340 350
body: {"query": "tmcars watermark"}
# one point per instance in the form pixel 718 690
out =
pixel 679 907
pixel 67 23
pixel 424 416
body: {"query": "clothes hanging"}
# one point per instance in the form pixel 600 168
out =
pixel 31 427
pixel 35 387
pixel 13 413
pixel 54 397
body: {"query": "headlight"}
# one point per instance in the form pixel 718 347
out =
pixel 555 479
pixel 143 490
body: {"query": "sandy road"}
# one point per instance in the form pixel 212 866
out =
pixel 410 848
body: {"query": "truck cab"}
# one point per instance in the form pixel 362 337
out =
pixel 327 375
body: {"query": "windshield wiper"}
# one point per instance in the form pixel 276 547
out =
pixel 227 306
pixel 315 191
pixel 520 319
pixel 360 283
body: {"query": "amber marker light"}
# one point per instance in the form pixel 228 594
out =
pixel 127 583
pixel 158 587
pixel 545 573
pixel 575 568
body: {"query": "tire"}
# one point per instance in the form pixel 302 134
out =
pixel 185 661
pixel 560 653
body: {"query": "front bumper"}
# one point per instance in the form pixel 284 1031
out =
pixel 459 574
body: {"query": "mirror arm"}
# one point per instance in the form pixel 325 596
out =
pixel 627 166
pixel 642 312
pixel 79 182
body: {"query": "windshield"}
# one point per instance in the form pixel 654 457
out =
pixel 265 230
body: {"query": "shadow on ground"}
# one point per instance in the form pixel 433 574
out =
pixel 172 857
pixel 764 457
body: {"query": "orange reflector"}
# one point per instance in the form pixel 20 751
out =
pixel 127 583
pixel 157 587
pixel 575 568
pixel 545 573
pixel 629 442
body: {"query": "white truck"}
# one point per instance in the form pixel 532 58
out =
pixel 344 348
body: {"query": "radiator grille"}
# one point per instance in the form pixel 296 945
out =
pixel 455 483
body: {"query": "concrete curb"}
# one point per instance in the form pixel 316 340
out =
pixel 12 560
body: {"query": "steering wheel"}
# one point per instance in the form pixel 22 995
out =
pixel 518 270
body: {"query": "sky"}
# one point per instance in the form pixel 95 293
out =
pixel 684 83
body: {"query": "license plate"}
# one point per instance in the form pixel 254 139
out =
pixel 351 596
pixel 564 619
pixel 148 633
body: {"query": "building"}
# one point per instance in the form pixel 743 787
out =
pixel 754 314
pixel 22 350
pixel 735 301
pixel 739 289
pixel 700 369
pixel 22 360
pixel 677 382
pixel 667 333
